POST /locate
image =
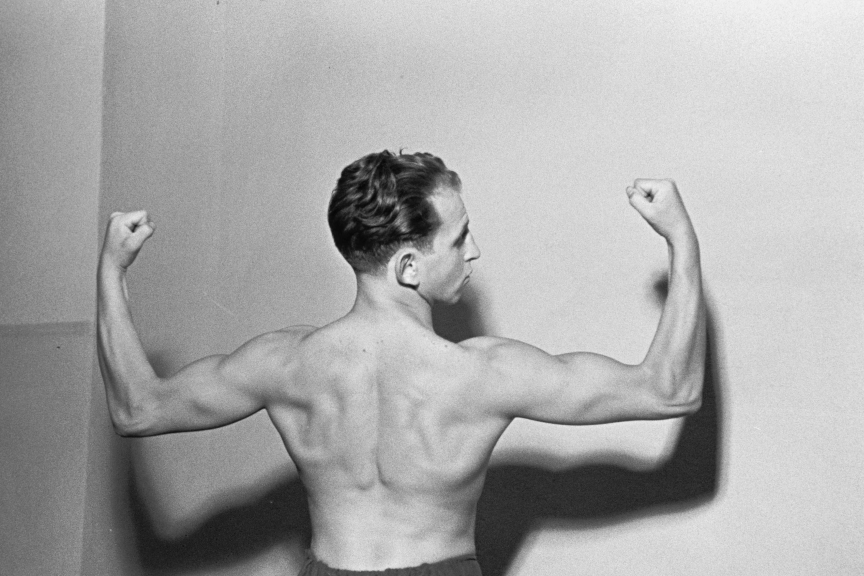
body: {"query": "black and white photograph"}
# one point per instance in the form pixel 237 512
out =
pixel 415 288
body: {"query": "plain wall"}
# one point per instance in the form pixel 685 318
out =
pixel 50 122
pixel 50 142
pixel 230 123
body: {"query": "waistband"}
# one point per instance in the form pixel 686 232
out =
pixel 462 565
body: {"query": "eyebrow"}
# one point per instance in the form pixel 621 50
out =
pixel 463 234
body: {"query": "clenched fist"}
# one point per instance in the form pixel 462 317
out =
pixel 660 204
pixel 124 237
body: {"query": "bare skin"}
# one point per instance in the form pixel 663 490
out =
pixel 390 426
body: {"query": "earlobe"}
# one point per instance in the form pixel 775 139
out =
pixel 406 269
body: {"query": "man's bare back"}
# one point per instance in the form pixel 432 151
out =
pixel 392 427
pixel 391 439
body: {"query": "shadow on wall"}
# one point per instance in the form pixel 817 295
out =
pixel 515 498
pixel 279 517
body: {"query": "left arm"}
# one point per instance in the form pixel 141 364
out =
pixel 586 388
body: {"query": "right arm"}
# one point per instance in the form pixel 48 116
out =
pixel 585 388
pixel 208 393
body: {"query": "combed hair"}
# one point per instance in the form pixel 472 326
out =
pixel 383 202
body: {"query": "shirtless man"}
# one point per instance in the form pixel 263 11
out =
pixel 391 427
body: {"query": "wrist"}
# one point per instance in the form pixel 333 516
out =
pixel 108 270
pixel 684 245
pixel 683 238
pixel 111 286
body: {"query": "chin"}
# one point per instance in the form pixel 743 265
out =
pixel 455 298
pixel 449 299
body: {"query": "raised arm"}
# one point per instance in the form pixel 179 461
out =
pixel 584 388
pixel 209 393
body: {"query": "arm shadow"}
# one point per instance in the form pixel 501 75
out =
pixel 279 517
pixel 516 498
pixel 238 526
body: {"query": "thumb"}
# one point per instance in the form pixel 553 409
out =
pixel 141 224
pixel 144 230
pixel 140 229
pixel 639 200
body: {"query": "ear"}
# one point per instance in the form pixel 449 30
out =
pixel 407 267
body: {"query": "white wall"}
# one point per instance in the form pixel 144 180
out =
pixel 230 123
pixel 50 121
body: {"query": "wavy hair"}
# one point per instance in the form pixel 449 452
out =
pixel 383 202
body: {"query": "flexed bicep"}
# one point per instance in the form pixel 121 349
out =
pixel 217 390
pixel 575 388
pixel 205 394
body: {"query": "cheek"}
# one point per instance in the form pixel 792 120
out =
pixel 457 270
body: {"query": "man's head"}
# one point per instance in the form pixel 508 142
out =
pixel 383 202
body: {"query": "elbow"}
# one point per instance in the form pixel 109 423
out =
pixel 126 431
pixel 127 426
pixel 130 422
pixel 680 395
pixel 679 408
pixel 133 407
pixel 123 430
pixel 691 406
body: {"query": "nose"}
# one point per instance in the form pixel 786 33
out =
pixel 473 251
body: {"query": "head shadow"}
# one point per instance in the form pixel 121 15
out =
pixel 462 320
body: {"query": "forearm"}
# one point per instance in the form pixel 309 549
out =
pixel 676 358
pixel 126 371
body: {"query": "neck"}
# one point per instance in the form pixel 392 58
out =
pixel 381 296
